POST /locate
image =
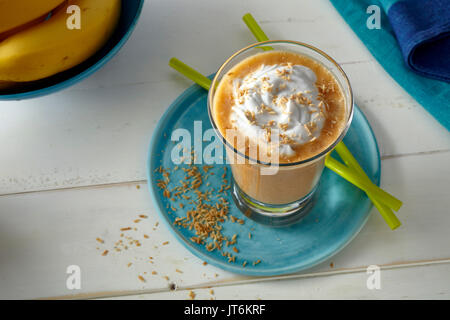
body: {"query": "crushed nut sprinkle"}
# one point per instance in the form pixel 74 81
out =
pixel 206 213
pixel 286 139
pixel 270 123
pixel 205 210
pixel 283 126
pixel 284 74
pixel 268 134
pixel 256 262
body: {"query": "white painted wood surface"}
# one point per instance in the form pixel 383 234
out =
pixel 71 163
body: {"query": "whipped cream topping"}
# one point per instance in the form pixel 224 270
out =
pixel 280 99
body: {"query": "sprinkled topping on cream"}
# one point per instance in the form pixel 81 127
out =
pixel 282 98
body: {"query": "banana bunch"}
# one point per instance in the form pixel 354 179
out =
pixel 37 39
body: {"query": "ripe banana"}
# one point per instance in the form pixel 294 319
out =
pixel 10 32
pixel 7 85
pixel 51 47
pixel 14 13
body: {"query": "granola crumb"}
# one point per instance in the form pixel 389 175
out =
pixel 191 295
pixel 208 213
pixel 105 253
pixel 141 278
pixel 100 240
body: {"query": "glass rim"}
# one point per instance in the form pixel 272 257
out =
pixel 292 42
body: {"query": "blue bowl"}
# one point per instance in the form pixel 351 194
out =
pixel 131 10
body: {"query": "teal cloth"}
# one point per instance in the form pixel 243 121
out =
pixel 433 95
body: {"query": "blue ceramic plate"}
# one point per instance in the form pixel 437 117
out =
pixel 339 214
pixel 131 10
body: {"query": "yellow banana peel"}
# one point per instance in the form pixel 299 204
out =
pixel 14 13
pixel 50 47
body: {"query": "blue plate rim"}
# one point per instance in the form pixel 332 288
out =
pixel 83 74
pixel 224 265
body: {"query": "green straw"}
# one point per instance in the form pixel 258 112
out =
pixel 386 212
pixel 254 27
pixel 190 73
pixel 256 30
pixel 351 176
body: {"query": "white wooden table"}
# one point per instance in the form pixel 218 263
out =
pixel 72 168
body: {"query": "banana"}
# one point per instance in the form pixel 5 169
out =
pixel 14 13
pixel 7 85
pixel 10 32
pixel 51 47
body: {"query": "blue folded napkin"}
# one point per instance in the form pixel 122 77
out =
pixel 412 44
pixel 422 28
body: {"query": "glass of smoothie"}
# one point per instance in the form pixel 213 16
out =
pixel 279 107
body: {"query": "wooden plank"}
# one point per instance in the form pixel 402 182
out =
pixel 421 282
pixel 42 233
